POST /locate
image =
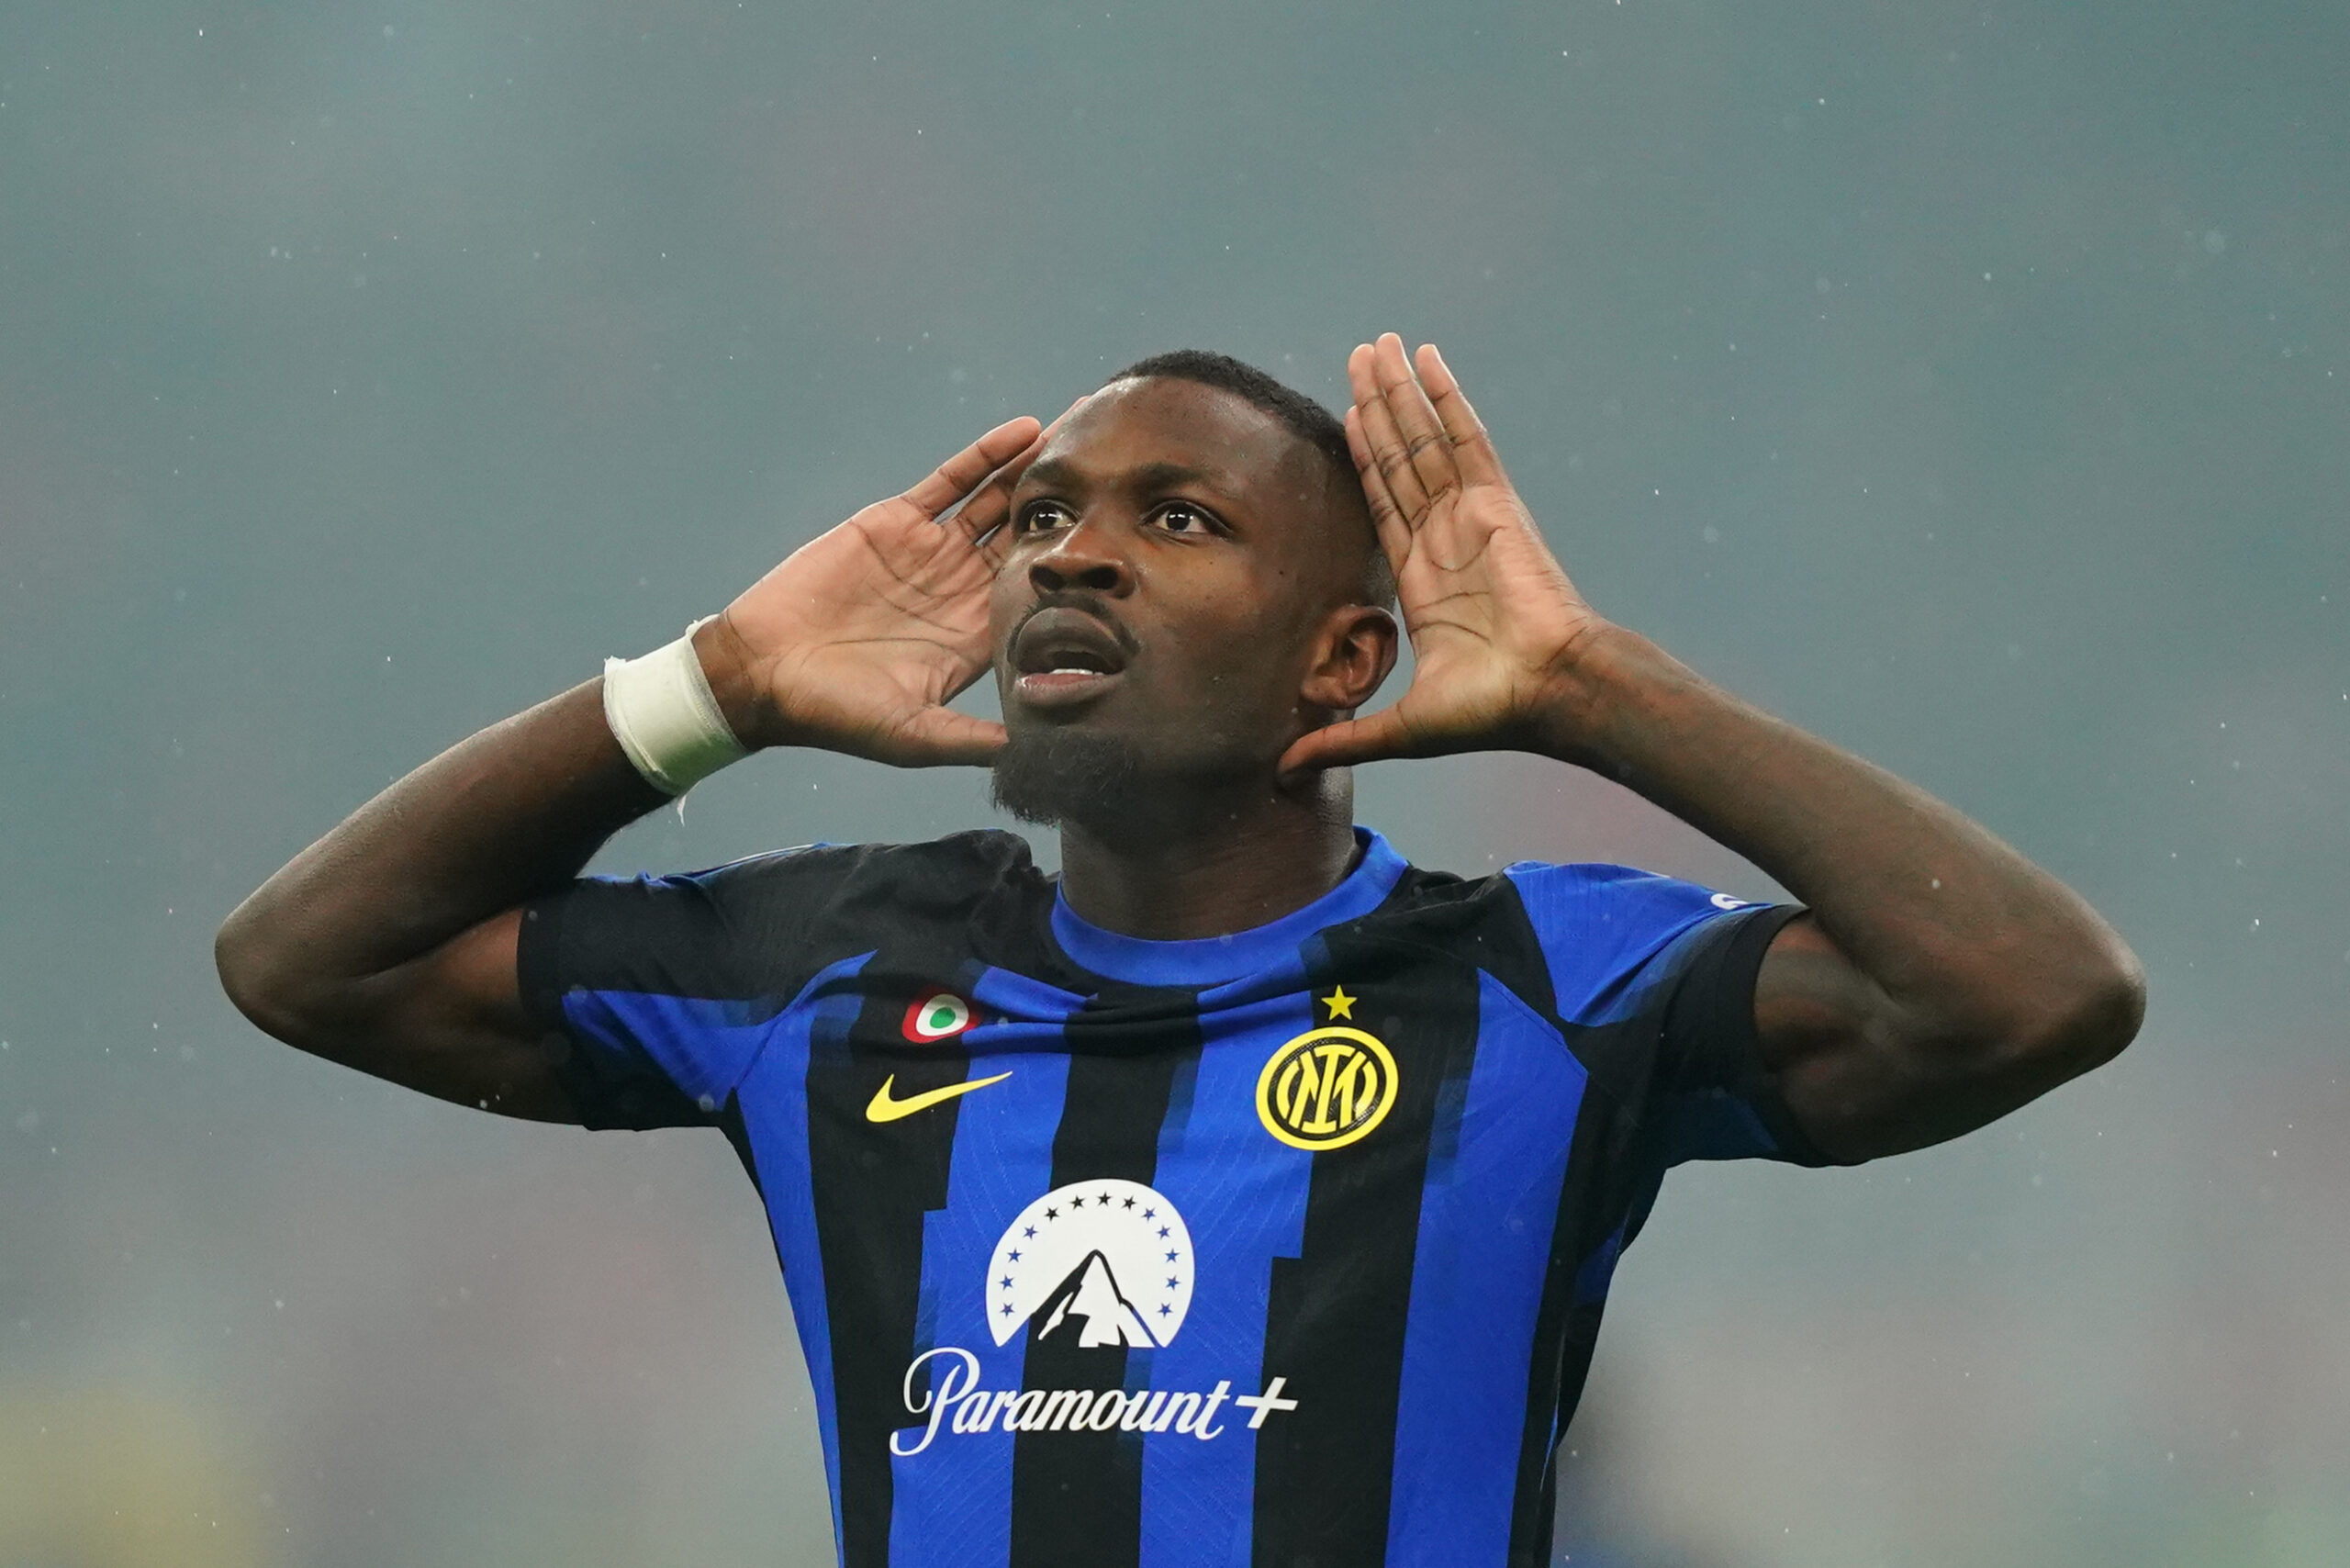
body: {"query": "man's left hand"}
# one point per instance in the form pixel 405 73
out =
pixel 1494 623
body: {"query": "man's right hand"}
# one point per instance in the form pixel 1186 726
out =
pixel 859 639
pixel 390 945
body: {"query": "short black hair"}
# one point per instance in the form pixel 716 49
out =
pixel 1299 414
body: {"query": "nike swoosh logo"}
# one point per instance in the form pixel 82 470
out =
pixel 884 1109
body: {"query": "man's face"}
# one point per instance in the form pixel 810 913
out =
pixel 1171 557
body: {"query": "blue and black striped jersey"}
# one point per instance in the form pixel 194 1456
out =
pixel 1280 1247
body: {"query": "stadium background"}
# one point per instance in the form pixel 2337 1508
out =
pixel 1966 383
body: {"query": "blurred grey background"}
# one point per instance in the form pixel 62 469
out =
pixel 1966 383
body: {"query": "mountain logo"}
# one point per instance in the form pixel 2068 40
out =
pixel 1102 1316
pixel 937 1015
pixel 1105 1263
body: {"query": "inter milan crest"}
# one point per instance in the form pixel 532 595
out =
pixel 1330 1086
pixel 937 1015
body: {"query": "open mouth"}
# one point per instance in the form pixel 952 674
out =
pixel 1062 657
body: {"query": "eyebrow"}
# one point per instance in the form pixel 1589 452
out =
pixel 1057 473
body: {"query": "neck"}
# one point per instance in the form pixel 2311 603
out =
pixel 1226 861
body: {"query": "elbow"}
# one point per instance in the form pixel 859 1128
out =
pixel 238 957
pixel 2027 1035
pixel 256 974
pixel 2106 1015
pixel 2087 1020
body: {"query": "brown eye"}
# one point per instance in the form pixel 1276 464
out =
pixel 1042 515
pixel 1183 518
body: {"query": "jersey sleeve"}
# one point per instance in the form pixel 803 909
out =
pixel 1663 972
pixel 662 986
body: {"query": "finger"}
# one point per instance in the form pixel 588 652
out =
pixel 980 519
pixel 1373 738
pixel 1064 417
pixel 1473 449
pixel 1424 438
pixel 985 512
pixel 1386 442
pixel 940 737
pixel 1394 533
pixel 968 469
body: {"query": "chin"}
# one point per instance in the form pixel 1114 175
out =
pixel 1052 774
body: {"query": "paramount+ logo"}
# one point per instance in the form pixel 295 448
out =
pixel 960 1405
pixel 1102 1265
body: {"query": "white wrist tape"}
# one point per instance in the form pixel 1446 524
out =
pixel 662 712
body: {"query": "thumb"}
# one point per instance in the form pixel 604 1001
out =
pixel 1373 738
pixel 940 737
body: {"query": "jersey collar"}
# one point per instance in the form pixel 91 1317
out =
pixel 1212 961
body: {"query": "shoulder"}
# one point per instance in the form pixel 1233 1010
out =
pixel 1601 897
pixel 760 925
pixel 1589 897
pixel 1596 935
pixel 963 863
pixel 836 899
pixel 963 873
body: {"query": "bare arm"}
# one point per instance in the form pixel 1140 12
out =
pixel 1940 979
pixel 389 945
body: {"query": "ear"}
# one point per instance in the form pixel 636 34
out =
pixel 1352 653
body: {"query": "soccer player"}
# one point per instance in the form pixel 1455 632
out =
pixel 1243 1194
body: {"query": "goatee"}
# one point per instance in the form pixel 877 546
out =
pixel 1053 775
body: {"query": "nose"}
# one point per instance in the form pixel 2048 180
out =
pixel 1081 557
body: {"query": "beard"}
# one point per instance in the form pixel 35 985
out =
pixel 1050 777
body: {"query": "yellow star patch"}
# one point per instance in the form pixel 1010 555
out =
pixel 1341 1004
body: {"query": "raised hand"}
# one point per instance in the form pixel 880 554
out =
pixel 859 639
pixel 1494 622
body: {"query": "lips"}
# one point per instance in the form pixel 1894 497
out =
pixel 1061 657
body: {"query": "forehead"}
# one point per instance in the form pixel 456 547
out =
pixel 1228 442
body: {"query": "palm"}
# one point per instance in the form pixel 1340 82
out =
pixel 860 637
pixel 1487 610
pixel 1490 614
